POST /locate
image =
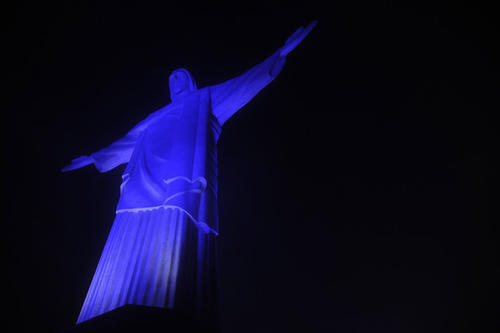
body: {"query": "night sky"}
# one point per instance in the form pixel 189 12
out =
pixel 354 189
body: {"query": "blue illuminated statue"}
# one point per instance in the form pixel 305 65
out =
pixel 161 248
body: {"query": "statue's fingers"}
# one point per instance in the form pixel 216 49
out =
pixel 294 35
pixel 303 34
pixel 77 163
pixel 298 31
pixel 309 27
pixel 68 168
pixel 79 159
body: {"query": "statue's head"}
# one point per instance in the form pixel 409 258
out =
pixel 181 83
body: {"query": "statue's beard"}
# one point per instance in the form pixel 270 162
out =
pixel 179 90
pixel 178 93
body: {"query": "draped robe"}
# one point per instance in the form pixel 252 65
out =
pixel 172 165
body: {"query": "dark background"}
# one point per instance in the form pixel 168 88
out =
pixel 354 190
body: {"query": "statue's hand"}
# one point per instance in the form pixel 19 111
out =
pixel 78 162
pixel 296 38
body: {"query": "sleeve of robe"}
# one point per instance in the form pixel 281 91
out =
pixel 120 151
pixel 229 96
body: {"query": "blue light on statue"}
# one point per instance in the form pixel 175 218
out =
pixel 153 256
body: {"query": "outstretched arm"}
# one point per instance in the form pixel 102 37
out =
pixel 228 97
pixel 117 153
pixel 108 158
pixel 296 38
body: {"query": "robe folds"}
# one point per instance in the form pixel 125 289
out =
pixel 155 258
pixel 161 248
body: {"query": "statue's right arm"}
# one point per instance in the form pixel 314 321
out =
pixel 108 158
pixel 115 154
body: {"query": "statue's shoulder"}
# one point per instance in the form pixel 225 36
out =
pixel 156 114
pixel 164 110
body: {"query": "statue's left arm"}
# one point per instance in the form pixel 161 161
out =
pixel 228 97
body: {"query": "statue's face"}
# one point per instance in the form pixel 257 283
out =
pixel 179 83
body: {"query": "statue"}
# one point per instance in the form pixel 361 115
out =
pixel 160 251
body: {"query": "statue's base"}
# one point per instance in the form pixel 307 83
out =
pixel 143 319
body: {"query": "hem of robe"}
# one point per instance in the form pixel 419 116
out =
pixel 201 225
pixel 170 268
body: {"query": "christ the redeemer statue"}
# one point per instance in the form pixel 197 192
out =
pixel 160 251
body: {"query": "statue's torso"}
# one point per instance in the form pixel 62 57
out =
pixel 174 163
